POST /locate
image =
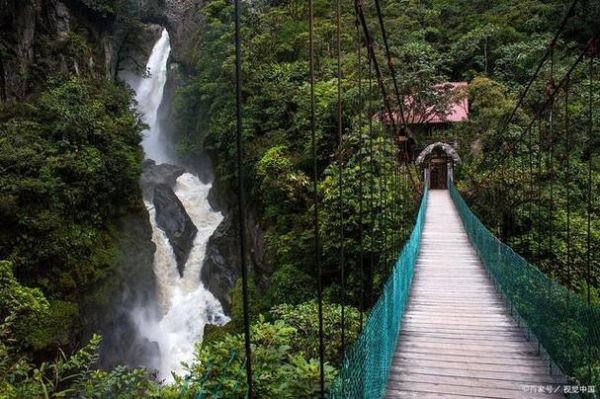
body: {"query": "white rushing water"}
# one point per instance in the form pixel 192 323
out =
pixel 149 94
pixel 185 303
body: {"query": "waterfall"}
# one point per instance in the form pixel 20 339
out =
pixel 149 95
pixel 185 304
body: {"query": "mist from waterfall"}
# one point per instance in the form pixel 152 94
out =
pixel 185 304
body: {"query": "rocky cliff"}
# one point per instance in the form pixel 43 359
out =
pixel 89 37
pixel 105 39
pixel 39 36
pixel 182 21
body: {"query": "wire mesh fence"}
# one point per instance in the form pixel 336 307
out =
pixel 564 326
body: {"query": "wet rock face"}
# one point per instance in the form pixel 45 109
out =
pixel 172 218
pixel 134 52
pixel 33 34
pixel 121 341
pixel 19 21
pixel 154 175
pixel 221 264
pixel 183 21
pixel 221 268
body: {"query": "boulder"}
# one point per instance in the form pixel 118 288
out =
pixel 154 175
pixel 173 219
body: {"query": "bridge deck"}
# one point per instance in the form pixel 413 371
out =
pixel 457 338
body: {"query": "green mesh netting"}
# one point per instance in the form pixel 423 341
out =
pixel 365 369
pixel 566 328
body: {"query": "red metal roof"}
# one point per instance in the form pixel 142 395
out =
pixel 458 111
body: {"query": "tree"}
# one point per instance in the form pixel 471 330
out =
pixel 278 370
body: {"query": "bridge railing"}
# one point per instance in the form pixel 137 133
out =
pixel 366 365
pixel 564 327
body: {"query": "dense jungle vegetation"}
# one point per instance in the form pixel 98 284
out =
pixel 70 162
pixel 495 46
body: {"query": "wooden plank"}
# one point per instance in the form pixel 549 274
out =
pixel 456 380
pixel 458 352
pixel 534 379
pixel 475 337
pixel 474 391
pixel 463 364
pixel 499 334
pixel 473 359
pixel 465 323
pixel 462 314
pixel 422 395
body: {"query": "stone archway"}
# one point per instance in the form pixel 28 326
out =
pixel 438 162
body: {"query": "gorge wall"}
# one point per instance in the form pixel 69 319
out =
pixel 102 40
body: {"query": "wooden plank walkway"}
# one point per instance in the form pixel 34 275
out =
pixel 457 338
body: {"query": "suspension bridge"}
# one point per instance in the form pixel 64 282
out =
pixel 457 338
pixel 461 314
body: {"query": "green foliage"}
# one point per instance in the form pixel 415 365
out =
pixel 256 305
pixel 280 186
pixel 24 315
pixel 278 158
pixel 24 308
pixel 104 7
pixel 70 162
pixel 279 372
pixel 57 326
pixel 494 45
pixel 291 285
pixel 68 377
pixel 536 199
pixel 388 203
pixel 305 320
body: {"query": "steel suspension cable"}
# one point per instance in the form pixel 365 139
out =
pixel 555 91
pixel 360 175
pixel 341 176
pixel 549 253
pixel 316 228
pixel 521 198
pixel 540 237
pixel 399 97
pixel 539 192
pixel 372 56
pixel 371 52
pixel 568 193
pixel 510 150
pixel 383 214
pixel 531 183
pixel 547 53
pixel 395 212
pixel 552 177
pixel 390 197
pixel 372 193
pixel 590 168
pixel 592 54
pixel 241 196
